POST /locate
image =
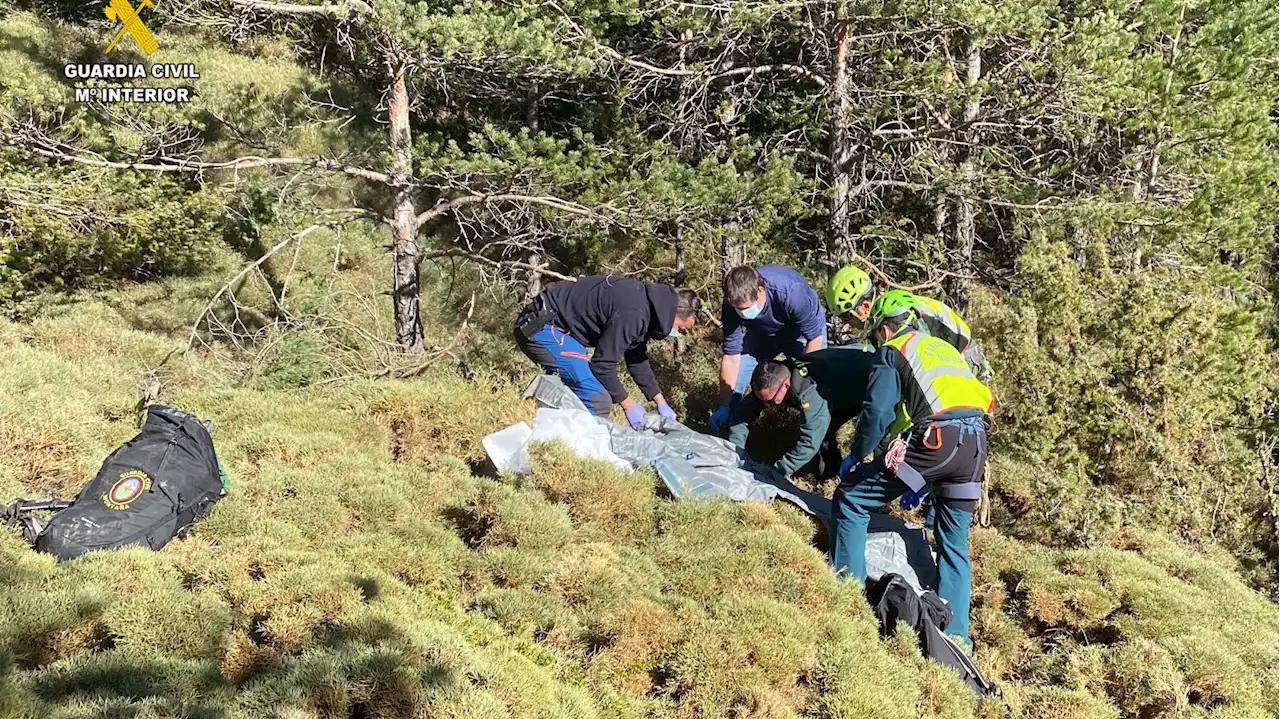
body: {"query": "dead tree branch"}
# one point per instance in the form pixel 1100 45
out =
pixel 511 264
pixel 415 370
pixel 552 202
pixel 62 152
pixel 255 265
pixel 340 11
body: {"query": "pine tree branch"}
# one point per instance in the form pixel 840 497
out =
pixel 343 10
pixel 62 152
pixel 572 208
pixel 296 237
pixel 512 264
pixel 797 70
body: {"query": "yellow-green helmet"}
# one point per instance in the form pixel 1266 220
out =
pixel 891 304
pixel 847 289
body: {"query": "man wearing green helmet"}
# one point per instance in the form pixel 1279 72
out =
pixel 851 292
pixel 923 425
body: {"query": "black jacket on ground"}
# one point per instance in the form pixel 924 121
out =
pixel 617 316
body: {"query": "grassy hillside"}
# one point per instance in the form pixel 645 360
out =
pixel 361 568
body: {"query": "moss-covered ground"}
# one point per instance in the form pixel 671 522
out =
pixel 366 565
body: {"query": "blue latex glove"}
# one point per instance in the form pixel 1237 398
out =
pixel 911 500
pixel 665 410
pixel 635 415
pixel 719 417
pixel 847 466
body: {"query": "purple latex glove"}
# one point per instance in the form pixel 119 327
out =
pixel 665 410
pixel 635 415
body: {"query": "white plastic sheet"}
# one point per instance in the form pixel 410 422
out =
pixel 693 464
pixel 580 430
pixel 508 449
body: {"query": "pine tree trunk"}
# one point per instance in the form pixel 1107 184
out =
pixel 941 216
pixel 965 225
pixel 680 277
pixel 533 281
pixel 679 280
pixel 531 109
pixel 405 257
pixel 533 285
pixel 840 248
pixel 732 253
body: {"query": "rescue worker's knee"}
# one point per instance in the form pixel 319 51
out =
pixel 599 404
pixel 534 350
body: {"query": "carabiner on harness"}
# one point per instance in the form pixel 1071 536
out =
pixel 937 435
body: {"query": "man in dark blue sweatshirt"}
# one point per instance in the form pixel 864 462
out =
pixel 615 315
pixel 767 311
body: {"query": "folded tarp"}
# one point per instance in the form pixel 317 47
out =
pixel 691 465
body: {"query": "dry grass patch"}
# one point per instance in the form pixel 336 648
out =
pixel 359 568
pixel 603 501
pixel 443 414
pixel 42 458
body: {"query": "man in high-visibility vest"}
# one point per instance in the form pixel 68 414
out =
pixel 850 292
pixel 942 322
pixel 924 424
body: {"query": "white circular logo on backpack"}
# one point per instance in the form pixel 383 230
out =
pixel 129 487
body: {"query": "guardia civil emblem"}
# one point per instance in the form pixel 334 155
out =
pixel 129 487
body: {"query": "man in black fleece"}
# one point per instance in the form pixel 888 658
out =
pixel 615 315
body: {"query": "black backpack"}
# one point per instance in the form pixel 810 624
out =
pixel 893 599
pixel 148 491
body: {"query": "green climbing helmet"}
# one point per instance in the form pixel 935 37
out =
pixel 847 289
pixel 891 304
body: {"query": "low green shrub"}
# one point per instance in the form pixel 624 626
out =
pixel 361 567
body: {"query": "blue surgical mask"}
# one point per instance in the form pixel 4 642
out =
pixel 750 313
pixel 674 333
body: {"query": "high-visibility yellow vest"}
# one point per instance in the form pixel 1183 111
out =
pixel 943 322
pixel 941 380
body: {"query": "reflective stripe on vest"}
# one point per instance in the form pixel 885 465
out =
pixel 934 312
pixel 941 375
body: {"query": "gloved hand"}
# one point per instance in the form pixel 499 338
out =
pixel 665 410
pixel 911 500
pixel 719 417
pixel 847 466
pixel 985 375
pixel 635 415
